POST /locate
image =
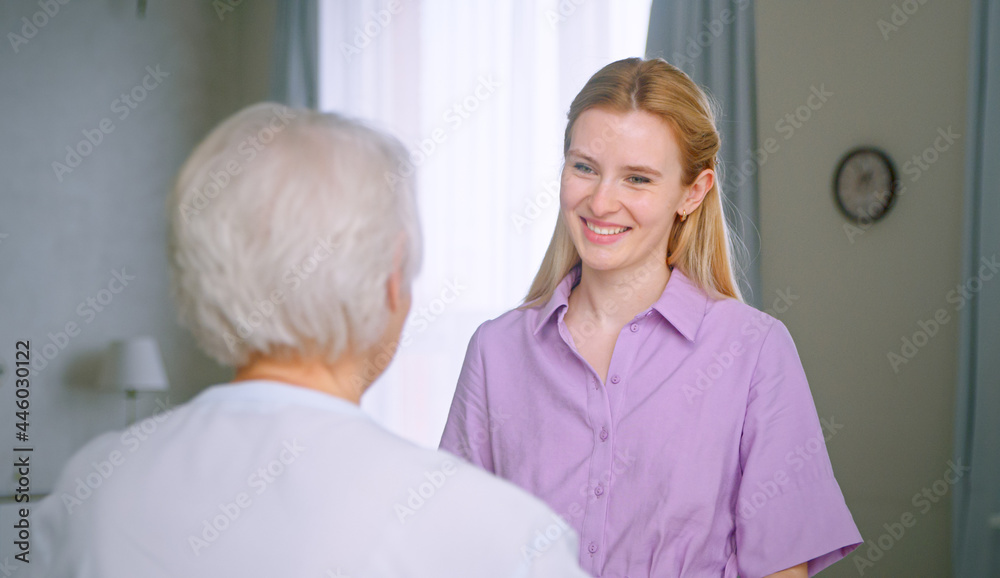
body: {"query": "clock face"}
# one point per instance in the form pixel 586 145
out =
pixel 865 184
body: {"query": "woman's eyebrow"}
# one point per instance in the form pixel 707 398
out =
pixel 643 169
pixel 588 158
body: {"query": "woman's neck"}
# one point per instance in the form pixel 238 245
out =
pixel 342 379
pixel 613 298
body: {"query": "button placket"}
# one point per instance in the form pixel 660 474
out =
pixel 595 514
pixel 601 407
pixel 592 531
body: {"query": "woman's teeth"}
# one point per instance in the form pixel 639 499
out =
pixel 606 230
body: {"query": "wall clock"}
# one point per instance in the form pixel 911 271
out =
pixel 864 184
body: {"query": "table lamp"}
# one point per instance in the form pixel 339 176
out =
pixel 133 365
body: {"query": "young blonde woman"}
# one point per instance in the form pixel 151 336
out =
pixel 668 422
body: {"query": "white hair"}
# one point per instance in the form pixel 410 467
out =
pixel 285 226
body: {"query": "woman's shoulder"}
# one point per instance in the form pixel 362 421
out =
pixel 734 308
pixel 732 317
pixel 510 328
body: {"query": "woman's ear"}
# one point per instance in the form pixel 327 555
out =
pixel 697 191
pixel 395 292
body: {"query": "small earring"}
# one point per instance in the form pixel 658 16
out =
pixel 684 215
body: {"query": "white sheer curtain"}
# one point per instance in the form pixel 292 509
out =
pixel 478 91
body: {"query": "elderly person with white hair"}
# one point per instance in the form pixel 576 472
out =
pixel 292 256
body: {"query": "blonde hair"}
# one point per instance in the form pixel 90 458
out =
pixel 700 245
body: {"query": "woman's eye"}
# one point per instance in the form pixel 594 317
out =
pixel 582 168
pixel 637 180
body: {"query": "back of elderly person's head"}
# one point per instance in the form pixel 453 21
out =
pixel 285 227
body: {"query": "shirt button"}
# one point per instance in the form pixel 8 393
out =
pixel 615 379
pixel 604 434
pixel 592 548
pixel 599 490
pixel 635 327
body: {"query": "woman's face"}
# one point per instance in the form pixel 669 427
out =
pixel 621 188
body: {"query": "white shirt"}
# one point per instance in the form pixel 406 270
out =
pixel 264 478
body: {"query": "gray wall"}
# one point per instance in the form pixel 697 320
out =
pixel 857 300
pixel 61 239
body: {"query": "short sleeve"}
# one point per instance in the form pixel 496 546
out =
pixel 467 432
pixel 789 506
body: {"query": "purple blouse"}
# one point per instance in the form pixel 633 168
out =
pixel 702 454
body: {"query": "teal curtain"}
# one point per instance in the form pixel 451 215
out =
pixel 294 70
pixel 976 505
pixel 713 42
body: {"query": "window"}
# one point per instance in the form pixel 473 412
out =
pixel 478 92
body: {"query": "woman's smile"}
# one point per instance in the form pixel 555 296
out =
pixel 601 232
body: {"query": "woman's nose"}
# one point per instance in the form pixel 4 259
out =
pixel 604 199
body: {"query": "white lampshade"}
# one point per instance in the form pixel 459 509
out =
pixel 133 365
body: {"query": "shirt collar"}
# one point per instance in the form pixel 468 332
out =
pixel 682 303
pixel 559 299
pixel 276 393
